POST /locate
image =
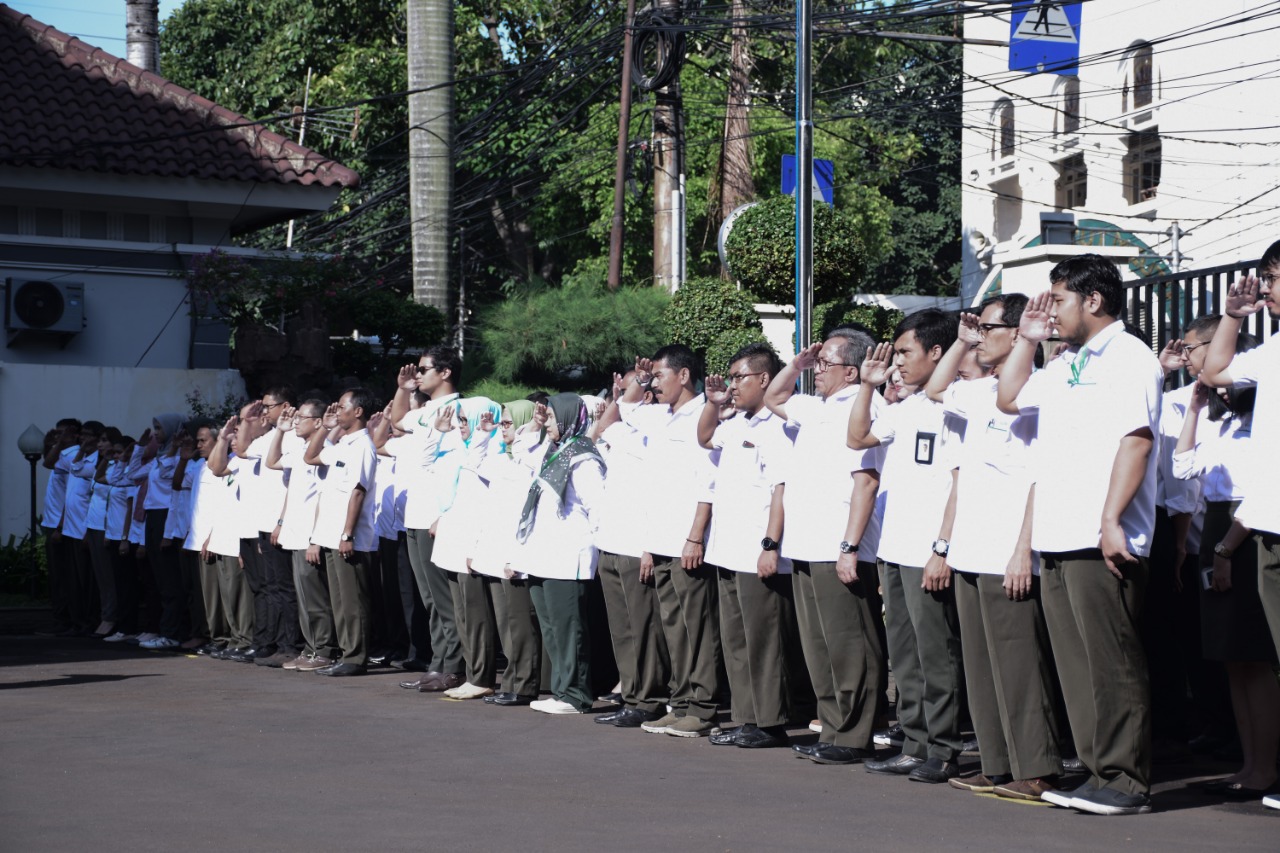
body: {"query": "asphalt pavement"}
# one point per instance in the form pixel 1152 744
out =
pixel 104 749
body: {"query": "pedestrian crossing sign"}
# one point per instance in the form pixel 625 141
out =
pixel 1044 36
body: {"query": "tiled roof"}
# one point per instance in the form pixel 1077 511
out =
pixel 68 105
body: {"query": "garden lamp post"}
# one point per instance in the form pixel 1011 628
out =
pixel 31 443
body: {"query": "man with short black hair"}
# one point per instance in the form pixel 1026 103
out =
pixel 920 611
pixel 1093 518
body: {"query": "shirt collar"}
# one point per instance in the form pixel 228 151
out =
pixel 845 393
pixel 352 436
pixel 1098 342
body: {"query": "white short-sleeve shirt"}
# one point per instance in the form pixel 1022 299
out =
pixel 1087 404
pixel 55 491
pixel 302 487
pixel 75 512
pixel 1221 459
pixel 351 463
pixel 618 530
pixel 1260 367
pixel 1177 496
pixel 416 456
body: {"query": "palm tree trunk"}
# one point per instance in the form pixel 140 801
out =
pixel 431 147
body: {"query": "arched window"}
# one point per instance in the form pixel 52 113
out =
pixel 1003 139
pixel 1142 165
pixel 1142 77
pixel 1071 106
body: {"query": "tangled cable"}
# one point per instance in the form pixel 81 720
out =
pixel 667 39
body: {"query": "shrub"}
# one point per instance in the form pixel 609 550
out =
pixel 761 251
pixel 574 335
pixel 497 391
pixel 831 315
pixel 727 344
pixel 704 312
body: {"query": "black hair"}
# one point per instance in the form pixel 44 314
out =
pixel 1085 274
pixel 445 358
pixel 1205 326
pixel 125 439
pixel 1271 257
pixel 1011 306
pixel 363 398
pixel 317 404
pixel 68 422
pixel 679 357
pixel 92 427
pixel 857 341
pixel 932 327
pixel 538 397
pixel 282 393
pixel 111 434
pixel 760 356
pixel 1239 400
pixel 1137 331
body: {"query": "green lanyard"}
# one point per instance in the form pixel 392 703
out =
pixel 1077 367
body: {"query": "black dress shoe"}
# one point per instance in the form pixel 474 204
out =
pixel 408 664
pixel 609 718
pixel 934 771
pixel 899 765
pixel 634 718
pixel 727 737
pixel 1073 765
pixel 240 655
pixel 508 700
pixel 754 737
pixel 493 698
pixel 379 659
pixel 806 750
pixel 832 754
pixel 343 669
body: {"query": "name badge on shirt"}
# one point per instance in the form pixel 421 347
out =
pixel 340 464
pixel 924 447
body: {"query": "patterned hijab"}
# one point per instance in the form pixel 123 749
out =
pixel 572 421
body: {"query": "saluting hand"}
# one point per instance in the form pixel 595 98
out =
pixel 807 357
pixel 970 329
pixel 1242 298
pixel 644 370
pixel 877 365
pixel 1171 357
pixel 407 378
pixel 444 419
pixel 284 423
pixel 540 415
pixel 330 417
pixel 716 390
pixel 1036 324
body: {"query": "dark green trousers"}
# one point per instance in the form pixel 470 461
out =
pixel 635 628
pixel 1009 677
pixel 842 650
pixel 562 615
pixel 433 586
pixel 349 597
pixel 315 612
pixel 477 628
pixel 923 631
pixel 755 618
pixel 237 601
pixel 1269 581
pixel 1093 626
pixel 520 635
pixel 687 607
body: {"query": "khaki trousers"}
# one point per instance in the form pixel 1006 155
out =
pixel 687 607
pixel 315 612
pixel 349 597
pixel 521 637
pixel 756 617
pixel 635 628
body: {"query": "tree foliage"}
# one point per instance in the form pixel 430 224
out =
pixel 713 318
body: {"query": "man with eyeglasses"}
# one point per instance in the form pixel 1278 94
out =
pixel 1007 661
pixel 1260 368
pixel 436 375
pixel 920 612
pixel 832 532
pixel 757 613
pixel 265 493
pixel 1093 518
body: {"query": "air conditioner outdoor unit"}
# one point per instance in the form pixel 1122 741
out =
pixel 43 306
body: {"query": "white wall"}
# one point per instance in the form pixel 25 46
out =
pixel 127 398
pixel 1219 178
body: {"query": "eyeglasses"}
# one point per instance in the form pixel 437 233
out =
pixel 424 368
pixel 735 378
pixel 985 328
pixel 1268 279
pixel 270 406
pixel 505 424
pixel 1187 348
pixel 823 365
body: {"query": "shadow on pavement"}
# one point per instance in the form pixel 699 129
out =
pixel 72 679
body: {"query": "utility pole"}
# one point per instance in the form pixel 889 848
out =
pixel 430 24
pixel 804 183
pixel 142 34
pixel 617 232
pixel 668 167
pixel 302 138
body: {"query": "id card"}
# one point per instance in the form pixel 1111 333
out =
pixel 924 447
pixel 1206 578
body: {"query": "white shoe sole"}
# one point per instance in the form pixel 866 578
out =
pixel 1058 798
pixel 677 733
pixel 1083 805
pixel 815 727
pixel 652 729
pixel 1271 802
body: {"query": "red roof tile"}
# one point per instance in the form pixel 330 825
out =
pixel 66 104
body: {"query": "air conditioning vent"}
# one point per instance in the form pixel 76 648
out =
pixel 44 306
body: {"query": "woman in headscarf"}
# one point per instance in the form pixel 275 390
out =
pixel 154 462
pixel 463 506
pixel 508 486
pixel 556 531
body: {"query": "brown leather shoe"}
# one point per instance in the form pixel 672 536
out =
pixel 440 683
pixel 425 678
pixel 1024 789
pixel 977 782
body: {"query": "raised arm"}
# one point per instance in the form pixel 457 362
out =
pixel 784 384
pixel 1035 326
pixel 276 450
pixel 968 335
pixel 717 394
pixel 1241 301
pixel 316 443
pixel 406 384
pixel 873 372
pixel 220 455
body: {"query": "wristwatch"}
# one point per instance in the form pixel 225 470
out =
pixel 346 537
pixel 848 547
pixel 941 546
pixel 767 544
pixel 1223 551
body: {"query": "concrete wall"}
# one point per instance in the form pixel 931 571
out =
pixel 127 398
pixel 1211 105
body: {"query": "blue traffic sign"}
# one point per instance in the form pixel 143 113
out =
pixel 824 178
pixel 1044 36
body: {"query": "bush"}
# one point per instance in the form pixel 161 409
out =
pixel 727 344
pixel 498 392
pixel 572 336
pixel 705 312
pixel 831 315
pixel 22 568
pixel 761 251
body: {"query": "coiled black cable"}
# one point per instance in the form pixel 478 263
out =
pixel 664 37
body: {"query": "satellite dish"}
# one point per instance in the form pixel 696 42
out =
pixel 726 227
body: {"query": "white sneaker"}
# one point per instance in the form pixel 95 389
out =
pixel 468 691
pixel 146 637
pixel 816 726
pixel 117 637
pixel 553 706
pixel 1271 802
pixel 160 643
